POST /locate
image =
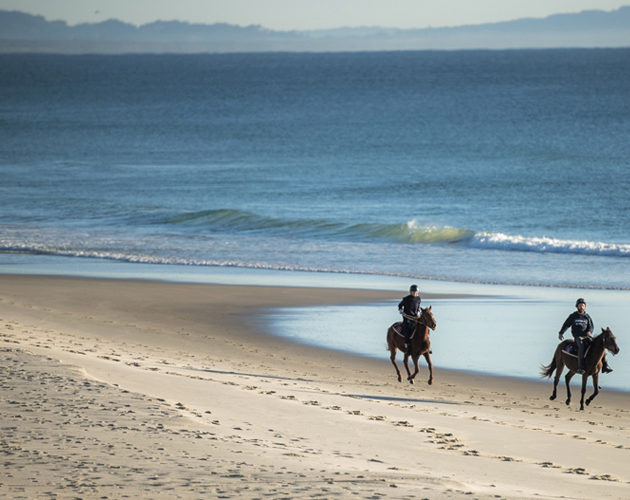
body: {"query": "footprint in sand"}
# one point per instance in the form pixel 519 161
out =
pixel 577 470
pixel 549 465
pixel 604 477
pixel 471 453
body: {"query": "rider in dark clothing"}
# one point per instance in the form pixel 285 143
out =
pixel 409 307
pixel 581 327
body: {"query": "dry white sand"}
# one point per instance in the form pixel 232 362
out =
pixel 116 389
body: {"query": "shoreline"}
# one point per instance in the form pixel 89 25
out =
pixel 105 268
pixel 164 389
pixel 292 296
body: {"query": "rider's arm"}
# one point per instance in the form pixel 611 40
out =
pixel 565 325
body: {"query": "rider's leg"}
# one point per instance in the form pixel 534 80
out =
pixel 579 341
pixel 605 367
pixel 407 331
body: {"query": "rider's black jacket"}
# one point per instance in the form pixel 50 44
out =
pixel 580 324
pixel 410 305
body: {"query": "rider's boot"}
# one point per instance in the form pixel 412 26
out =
pixel 580 367
pixel 605 367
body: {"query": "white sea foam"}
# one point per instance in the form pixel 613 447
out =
pixel 500 241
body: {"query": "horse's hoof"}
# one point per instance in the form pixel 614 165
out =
pixel 429 382
pixel 411 381
pixel 567 402
pixel 552 397
pixel 582 408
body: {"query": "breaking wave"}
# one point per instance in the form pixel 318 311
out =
pixel 187 235
pixel 406 232
pixel 243 221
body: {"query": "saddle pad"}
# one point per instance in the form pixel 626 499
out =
pixel 398 329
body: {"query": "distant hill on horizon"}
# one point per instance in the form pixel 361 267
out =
pixel 24 33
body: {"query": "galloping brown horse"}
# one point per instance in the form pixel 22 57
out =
pixel 592 364
pixel 420 344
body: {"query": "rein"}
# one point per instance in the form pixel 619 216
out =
pixel 416 320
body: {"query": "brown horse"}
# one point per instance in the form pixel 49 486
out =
pixel 420 344
pixel 592 364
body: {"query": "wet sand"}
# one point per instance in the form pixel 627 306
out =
pixel 119 388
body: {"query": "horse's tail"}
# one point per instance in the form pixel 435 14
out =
pixel 547 371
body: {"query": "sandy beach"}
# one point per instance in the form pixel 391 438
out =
pixel 147 389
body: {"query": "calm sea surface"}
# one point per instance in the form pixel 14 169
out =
pixel 500 167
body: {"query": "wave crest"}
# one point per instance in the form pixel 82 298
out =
pixel 243 221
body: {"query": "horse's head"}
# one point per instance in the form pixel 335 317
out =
pixel 426 317
pixel 610 341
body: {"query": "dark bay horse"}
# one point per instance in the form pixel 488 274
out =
pixel 420 345
pixel 592 364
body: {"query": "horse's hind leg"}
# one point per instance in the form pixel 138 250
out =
pixel 554 394
pixel 556 379
pixel 393 358
pixel 555 383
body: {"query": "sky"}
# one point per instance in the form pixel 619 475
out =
pixel 286 15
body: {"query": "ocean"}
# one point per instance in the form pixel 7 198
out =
pixel 503 168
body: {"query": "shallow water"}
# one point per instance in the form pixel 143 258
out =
pixel 505 331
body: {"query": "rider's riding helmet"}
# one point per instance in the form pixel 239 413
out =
pixel 580 301
pixel 413 288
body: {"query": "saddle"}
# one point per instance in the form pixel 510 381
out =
pixel 398 329
pixel 572 350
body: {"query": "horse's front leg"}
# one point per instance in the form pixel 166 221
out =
pixel 584 380
pixel 595 388
pixel 416 368
pixel 427 356
pixel 567 379
pixel 406 363
pixel 393 358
